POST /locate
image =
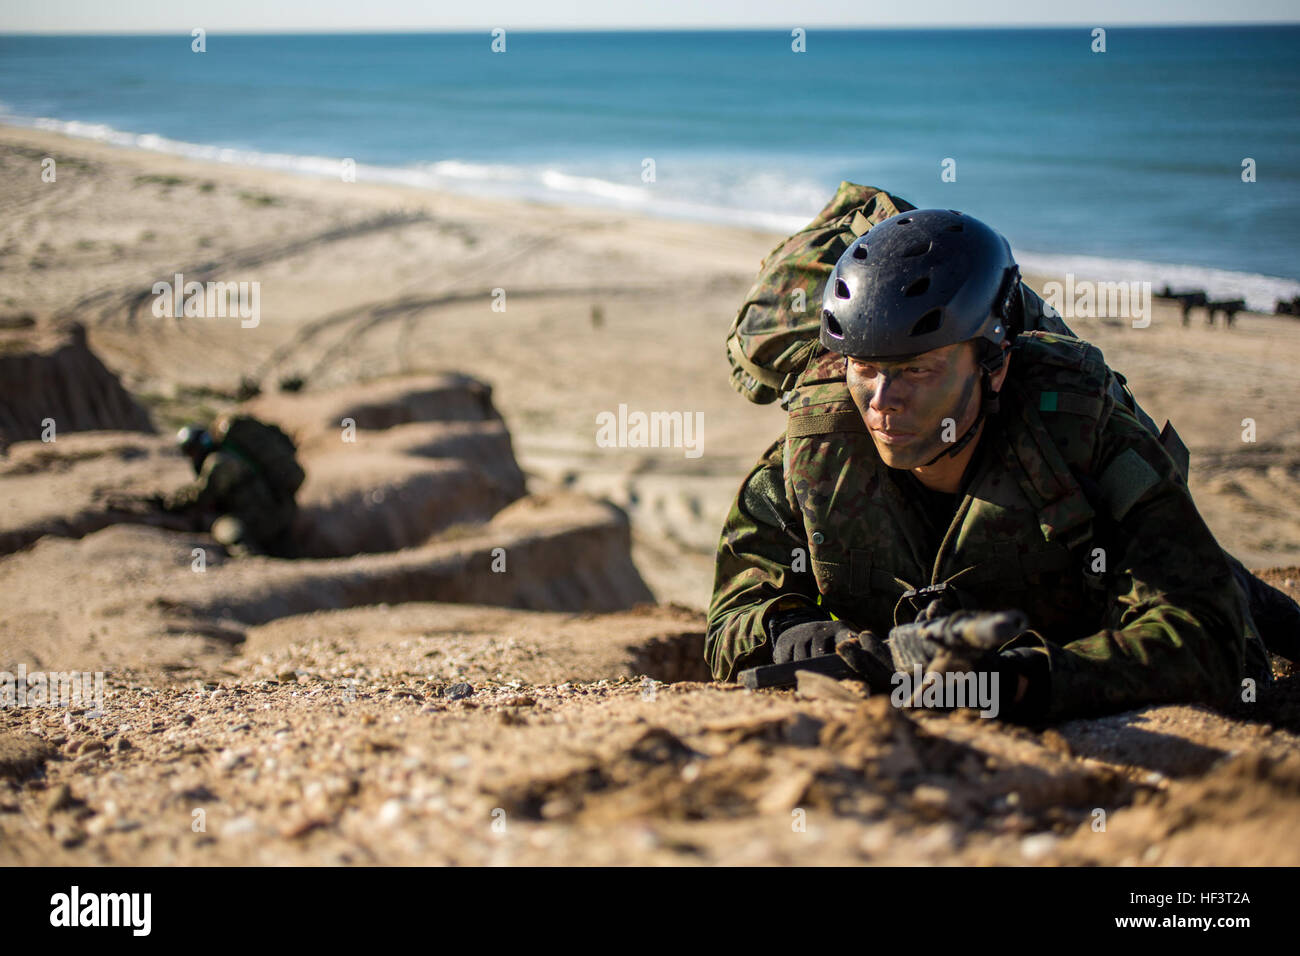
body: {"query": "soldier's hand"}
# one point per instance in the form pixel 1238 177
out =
pixel 809 639
pixel 869 657
pixel 133 504
pixel 961 641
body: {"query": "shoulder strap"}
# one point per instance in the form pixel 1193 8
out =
pixel 823 423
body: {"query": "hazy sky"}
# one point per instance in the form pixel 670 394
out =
pixel 165 16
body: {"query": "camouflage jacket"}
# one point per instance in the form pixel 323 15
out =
pixel 229 484
pixel 1075 514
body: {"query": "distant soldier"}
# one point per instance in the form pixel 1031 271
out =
pixel 247 474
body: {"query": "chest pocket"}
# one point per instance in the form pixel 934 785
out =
pixel 863 571
pixel 855 589
pixel 1046 582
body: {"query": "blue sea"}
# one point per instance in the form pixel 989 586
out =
pixel 1123 164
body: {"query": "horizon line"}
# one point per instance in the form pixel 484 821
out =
pixel 658 28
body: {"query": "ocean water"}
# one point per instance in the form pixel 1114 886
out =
pixel 1127 163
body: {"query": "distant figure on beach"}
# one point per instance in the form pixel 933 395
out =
pixel 1188 301
pixel 1194 298
pixel 247 474
pixel 1229 308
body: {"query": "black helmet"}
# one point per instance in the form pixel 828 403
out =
pixel 195 441
pixel 919 281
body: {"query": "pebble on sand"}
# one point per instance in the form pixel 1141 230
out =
pixel 459 691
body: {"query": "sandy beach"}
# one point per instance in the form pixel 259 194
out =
pixel 319 727
pixel 360 281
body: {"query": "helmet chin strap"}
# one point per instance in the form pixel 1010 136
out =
pixel 988 406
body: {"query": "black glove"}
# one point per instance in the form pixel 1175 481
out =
pixel 968 641
pixel 960 641
pixel 1035 667
pixel 782 621
pixel 810 639
pixel 869 657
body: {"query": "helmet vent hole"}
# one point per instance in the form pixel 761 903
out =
pixel 832 327
pixel 860 252
pixel 917 249
pixel 841 289
pixel 904 221
pixel 918 287
pixel 928 322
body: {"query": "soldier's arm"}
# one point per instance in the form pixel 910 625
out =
pixel 755 577
pixel 1176 625
pixel 187 498
pixel 218 476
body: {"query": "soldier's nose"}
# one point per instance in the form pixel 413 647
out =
pixel 887 396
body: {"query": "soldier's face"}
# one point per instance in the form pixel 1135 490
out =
pixel 916 407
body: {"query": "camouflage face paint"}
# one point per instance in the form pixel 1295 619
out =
pixel 912 397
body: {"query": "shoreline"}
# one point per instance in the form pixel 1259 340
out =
pixel 1260 290
pixel 603 309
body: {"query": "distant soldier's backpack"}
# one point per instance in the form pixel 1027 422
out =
pixel 269 450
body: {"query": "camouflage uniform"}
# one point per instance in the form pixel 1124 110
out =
pixel 249 517
pixel 1063 468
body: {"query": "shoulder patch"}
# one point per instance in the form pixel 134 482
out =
pixel 1073 403
pixel 1125 481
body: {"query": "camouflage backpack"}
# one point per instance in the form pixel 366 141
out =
pixel 775 334
pixel 269 450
